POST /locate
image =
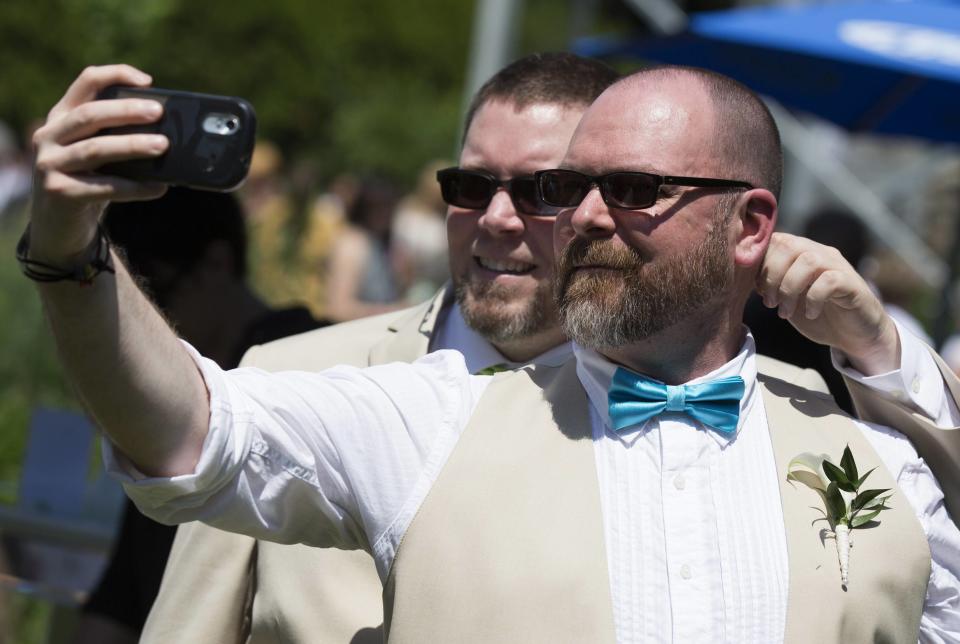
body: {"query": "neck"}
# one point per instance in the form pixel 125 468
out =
pixel 528 348
pixel 687 350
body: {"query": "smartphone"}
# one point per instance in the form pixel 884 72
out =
pixel 211 139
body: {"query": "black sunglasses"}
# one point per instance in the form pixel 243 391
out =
pixel 627 190
pixel 474 189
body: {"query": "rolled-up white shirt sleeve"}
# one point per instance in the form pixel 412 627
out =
pixel 326 459
pixel 917 383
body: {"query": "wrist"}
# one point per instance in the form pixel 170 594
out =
pixel 81 267
pixel 882 354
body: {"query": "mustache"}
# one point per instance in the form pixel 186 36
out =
pixel 598 252
pixel 591 252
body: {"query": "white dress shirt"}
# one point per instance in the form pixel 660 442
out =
pixel 692 520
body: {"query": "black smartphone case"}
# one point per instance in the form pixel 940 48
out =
pixel 195 158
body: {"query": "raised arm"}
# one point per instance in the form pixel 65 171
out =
pixel 128 366
pixel 901 382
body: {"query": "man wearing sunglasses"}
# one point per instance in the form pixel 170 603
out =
pixel 488 503
pixel 498 312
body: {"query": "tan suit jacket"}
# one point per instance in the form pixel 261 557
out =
pixel 262 592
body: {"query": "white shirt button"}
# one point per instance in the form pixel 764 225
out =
pixel 915 386
pixel 679 482
pixel 685 571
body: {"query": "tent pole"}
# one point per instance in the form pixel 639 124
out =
pixel 492 44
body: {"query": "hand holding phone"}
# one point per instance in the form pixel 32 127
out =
pixel 211 139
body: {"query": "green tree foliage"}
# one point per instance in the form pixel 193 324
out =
pixel 361 84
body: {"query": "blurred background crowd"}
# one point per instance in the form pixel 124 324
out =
pixel 359 104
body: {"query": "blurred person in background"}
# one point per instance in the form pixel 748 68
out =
pixel 269 209
pixel 14 173
pixel 325 218
pixel 188 249
pixel 951 346
pixel 420 235
pixel 363 276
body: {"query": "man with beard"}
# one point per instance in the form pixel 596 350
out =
pixel 498 312
pixel 510 507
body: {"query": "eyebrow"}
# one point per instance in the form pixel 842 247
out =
pixel 611 170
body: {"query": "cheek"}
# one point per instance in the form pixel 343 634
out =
pixel 562 232
pixel 540 237
pixel 461 231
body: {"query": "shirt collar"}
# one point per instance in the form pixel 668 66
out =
pixel 477 351
pixel 596 373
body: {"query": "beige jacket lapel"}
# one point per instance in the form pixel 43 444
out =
pixel 409 335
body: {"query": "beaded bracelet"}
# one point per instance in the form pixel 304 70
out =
pixel 85 273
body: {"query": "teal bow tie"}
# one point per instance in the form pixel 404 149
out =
pixel 634 399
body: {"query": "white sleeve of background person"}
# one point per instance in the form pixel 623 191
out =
pixel 326 459
pixel 941 610
pixel 918 381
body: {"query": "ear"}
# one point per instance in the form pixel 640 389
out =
pixel 757 217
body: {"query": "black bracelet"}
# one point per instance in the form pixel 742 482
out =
pixel 85 273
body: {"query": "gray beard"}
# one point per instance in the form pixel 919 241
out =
pixel 484 308
pixel 635 301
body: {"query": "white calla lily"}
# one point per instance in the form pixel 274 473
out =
pixel 807 468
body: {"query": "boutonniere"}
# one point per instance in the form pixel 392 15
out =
pixel 846 505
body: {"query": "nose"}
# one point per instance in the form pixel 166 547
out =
pixel 501 216
pixel 592 217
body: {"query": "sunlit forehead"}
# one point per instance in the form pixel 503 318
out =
pixel 651 127
pixel 509 142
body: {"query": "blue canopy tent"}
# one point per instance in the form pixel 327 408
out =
pixel 886 67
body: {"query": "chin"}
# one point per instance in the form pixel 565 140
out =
pixel 502 314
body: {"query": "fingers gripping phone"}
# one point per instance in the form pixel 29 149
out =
pixel 211 139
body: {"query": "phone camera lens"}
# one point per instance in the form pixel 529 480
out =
pixel 232 124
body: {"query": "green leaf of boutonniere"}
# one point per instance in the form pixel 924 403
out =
pixel 836 506
pixel 839 477
pixel 862 519
pixel 865 497
pixel 863 478
pixel 849 465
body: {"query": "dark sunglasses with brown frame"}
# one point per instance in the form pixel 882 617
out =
pixel 474 190
pixel 626 190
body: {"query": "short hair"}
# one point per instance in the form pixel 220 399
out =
pixel 747 136
pixel 556 78
pixel 177 228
